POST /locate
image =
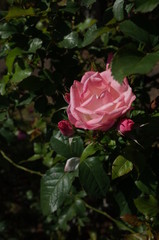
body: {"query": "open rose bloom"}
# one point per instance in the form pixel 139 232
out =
pixel 98 101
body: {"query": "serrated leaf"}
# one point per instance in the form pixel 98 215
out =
pixel 72 147
pixel 55 186
pixel 15 12
pixel 121 166
pixel 92 34
pixel 129 61
pixel 61 145
pixel 93 177
pixel 77 146
pixel 147 205
pixel 118 10
pixel 146 5
pixel 130 29
pixel 88 151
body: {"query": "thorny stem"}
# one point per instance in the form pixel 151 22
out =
pixel 118 223
pixel 19 166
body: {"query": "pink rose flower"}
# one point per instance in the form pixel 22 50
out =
pixel 125 125
pixel 65 128
pixel 98 100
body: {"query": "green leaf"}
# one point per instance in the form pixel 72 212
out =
pixel 70 41
pixel 72 147
pixel 71 7
pixel 35 44
pixel 130 29
pixel 76 208
pixel 20 74
pixel 60 145
pixel 147 182
pixel 129 61
pixel 55 187
pixel 92 34
pixel 3 116
pixel 146 5
pixel 148 205
pixel 7 30
pixel 87 3
pixel 15 12
pixel 3 84
pixel 122 202
pixel 93 177
pixel 118 10
pixel 121 166
pixel 88 151
pixel 11 58
pixel 76 144
pixel 86 24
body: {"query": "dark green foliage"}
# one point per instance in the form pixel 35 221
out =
pixel 94 185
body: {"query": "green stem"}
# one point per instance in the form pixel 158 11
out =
pixel 19 166
pixel 118 223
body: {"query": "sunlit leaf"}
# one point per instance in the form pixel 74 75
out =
pixel 121 166
pixel 20 73
pixel 15 12
pixel 15 52
pixel 88 151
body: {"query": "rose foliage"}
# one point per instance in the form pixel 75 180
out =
pixel 79 119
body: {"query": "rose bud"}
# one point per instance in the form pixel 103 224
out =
pixel 65 128
pixel 67 97
pixel 125 125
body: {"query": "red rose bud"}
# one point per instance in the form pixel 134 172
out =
pixel 125 125
pixel 67 97
pixel 65 128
